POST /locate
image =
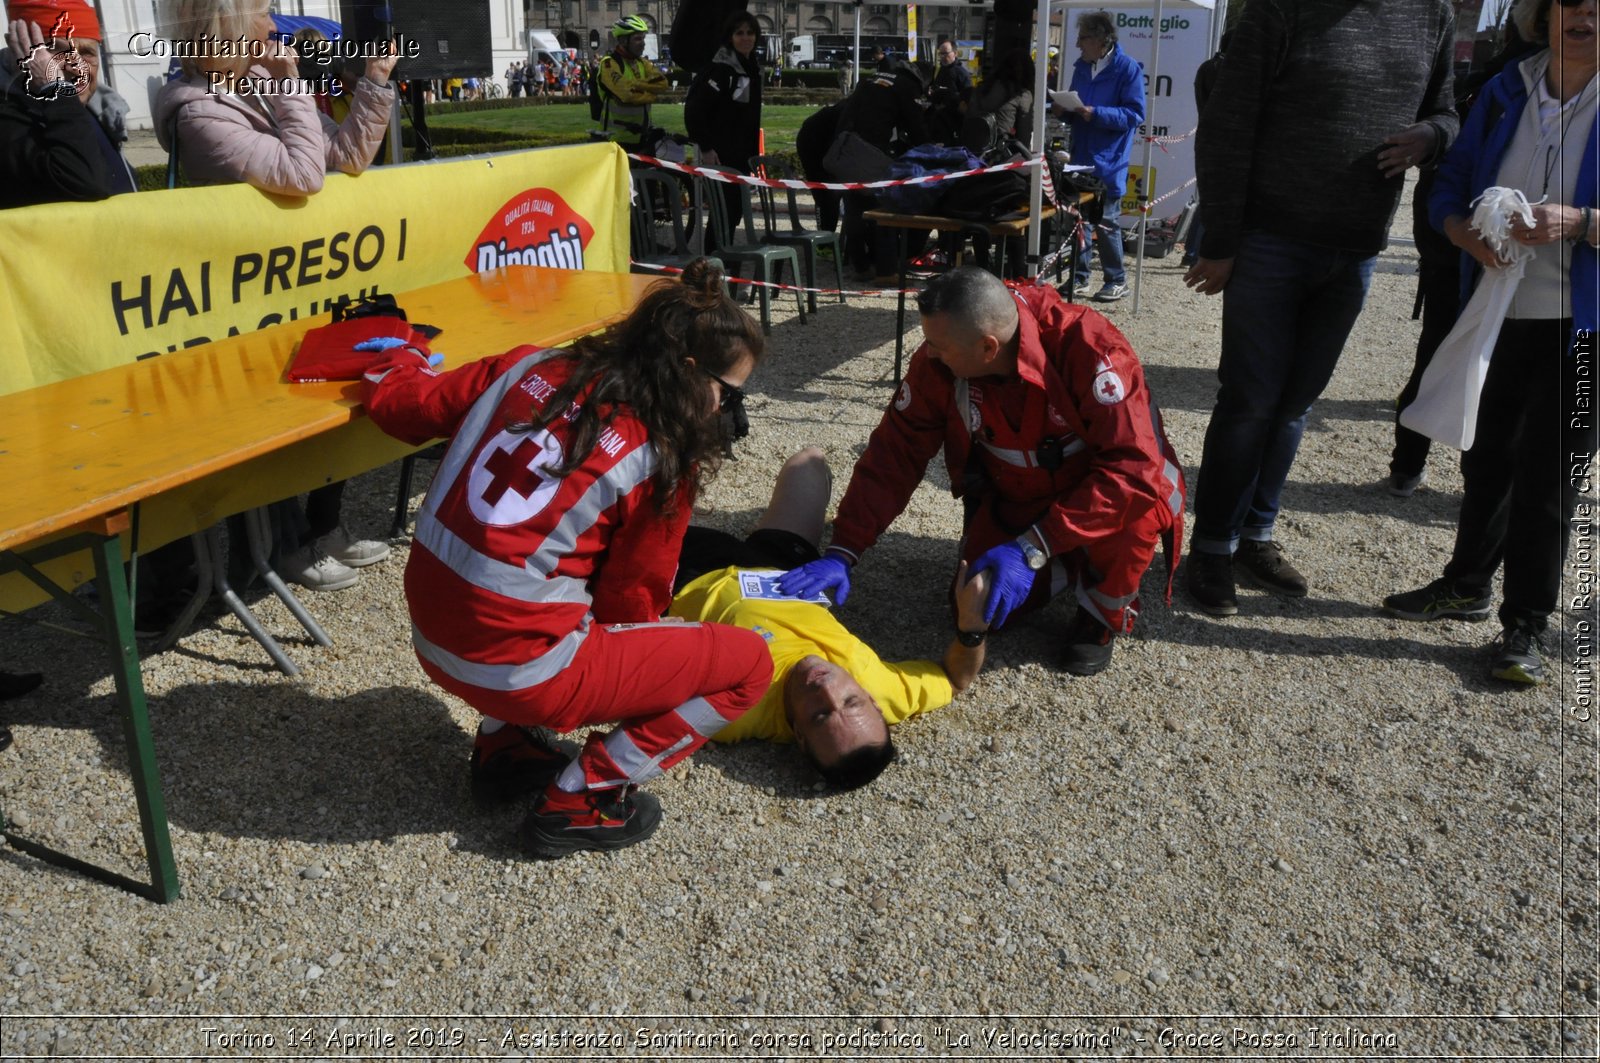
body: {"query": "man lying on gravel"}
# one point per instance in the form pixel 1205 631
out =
pixel 830 693
pixel 1051 439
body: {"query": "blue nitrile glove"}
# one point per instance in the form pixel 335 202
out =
pixel 381 343
pixel 1012 579
pixel 830 573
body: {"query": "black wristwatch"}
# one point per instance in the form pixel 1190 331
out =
pixel 971 638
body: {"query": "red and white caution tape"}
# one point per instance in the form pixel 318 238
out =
pixel 1161 142
pixel 838 186
pixel 775 286
pixel 1149 204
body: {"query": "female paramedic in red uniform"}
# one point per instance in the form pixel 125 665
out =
pixel 545 550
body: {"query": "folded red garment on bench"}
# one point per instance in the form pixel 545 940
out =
pixel 328 352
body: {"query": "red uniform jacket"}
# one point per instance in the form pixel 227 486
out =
pixel 510 565
pixel 1079 395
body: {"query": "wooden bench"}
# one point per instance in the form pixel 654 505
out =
pixel 143 454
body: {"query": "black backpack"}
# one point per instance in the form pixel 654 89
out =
pixel 986 196
pixel 697 31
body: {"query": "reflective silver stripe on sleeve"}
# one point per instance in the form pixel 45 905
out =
pixel 639 768
pixel 1170 471
pixel 504 677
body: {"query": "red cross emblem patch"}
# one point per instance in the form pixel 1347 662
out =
pixel 1108 387
pixel 508 483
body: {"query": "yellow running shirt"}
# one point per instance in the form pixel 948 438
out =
pixel 795 629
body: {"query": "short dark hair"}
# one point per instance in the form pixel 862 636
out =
pixel 856 768
pixel 976 298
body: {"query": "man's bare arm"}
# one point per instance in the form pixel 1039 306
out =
pixel 962 663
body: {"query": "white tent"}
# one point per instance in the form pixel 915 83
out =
pixel 1042 35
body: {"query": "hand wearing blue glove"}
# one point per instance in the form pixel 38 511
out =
pixel 830 573
pixel 1011 580
pixel 387 343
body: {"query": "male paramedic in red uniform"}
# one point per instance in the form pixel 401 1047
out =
pixel 1051 440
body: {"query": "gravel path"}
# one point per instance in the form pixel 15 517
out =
pixel 1308 811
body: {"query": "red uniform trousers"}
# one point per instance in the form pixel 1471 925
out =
pixel 671 685
pixel 1105 574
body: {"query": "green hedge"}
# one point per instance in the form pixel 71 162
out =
pixel 811 79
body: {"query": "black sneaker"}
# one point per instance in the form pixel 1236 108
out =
pixel 1405 484
pixel 1210 582
pixel 1089 644
pixel 1439 600
pixel 511 762
pixel 601 820
pixel 1518 656
pixel 1263 560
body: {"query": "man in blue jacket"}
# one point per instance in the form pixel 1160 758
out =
pixel 1110 86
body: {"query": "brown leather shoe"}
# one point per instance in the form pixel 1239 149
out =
pixel 1263 561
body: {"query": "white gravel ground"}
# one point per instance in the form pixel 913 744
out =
pixel 1306 830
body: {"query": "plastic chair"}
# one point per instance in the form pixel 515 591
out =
pixel 658 206
pixel 764 257
pixel 810 240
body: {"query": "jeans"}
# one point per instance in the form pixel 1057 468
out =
pixel 1108 238
pixel 1521 479
pixel 1286 313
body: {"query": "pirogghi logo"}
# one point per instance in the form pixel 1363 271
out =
pixel 534 228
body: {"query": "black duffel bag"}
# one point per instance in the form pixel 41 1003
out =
pixel 985 197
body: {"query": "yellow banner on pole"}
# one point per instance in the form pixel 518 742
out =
pixel 87 286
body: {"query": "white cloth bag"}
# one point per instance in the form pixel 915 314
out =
pixel 1446 406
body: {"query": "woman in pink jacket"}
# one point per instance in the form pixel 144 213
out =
pixel 249 117
pixel 241 113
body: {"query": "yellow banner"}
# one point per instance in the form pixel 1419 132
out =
pixel 87 286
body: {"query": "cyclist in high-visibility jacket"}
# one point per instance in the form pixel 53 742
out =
pixel 629 83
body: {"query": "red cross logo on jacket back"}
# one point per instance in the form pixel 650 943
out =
pixel 509 482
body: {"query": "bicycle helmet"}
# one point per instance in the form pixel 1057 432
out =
pixel 628 25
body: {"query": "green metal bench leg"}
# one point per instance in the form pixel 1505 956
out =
pixel 116 629
pixel 136 723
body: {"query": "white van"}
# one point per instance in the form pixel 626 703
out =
pixel 543 47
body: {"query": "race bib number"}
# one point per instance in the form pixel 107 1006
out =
pixel 763 584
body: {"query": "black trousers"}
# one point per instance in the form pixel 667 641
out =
pixel 1440 285
pixel 1535 439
